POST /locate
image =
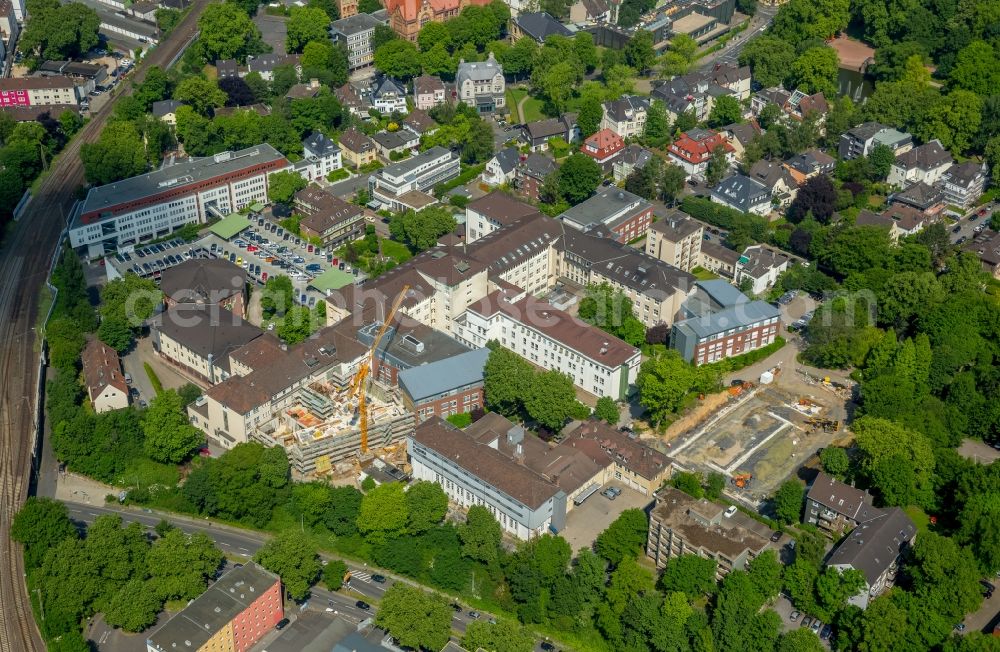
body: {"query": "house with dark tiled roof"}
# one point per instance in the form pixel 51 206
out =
pixel 591 11
pixel 740 134
pixel 926 163
pixel 428 92
pixel 532 172
pixel 537 134
pixel 928 199
pixel 166 110
pixel 777 179
pixel 351 99
pixel 874 547
pixel 329 218
pixel 388 95
pixel 197 338
pixel 396 142
pixel 742 193
pixel 420 123
pixel 357 148
pixel 204 281
pixel 835 506
pixel 625 116
pixel 536 25
pixel 963 183
pixel 304 91
pixel 808 164
pixel 633 157
pixel 501 169
pixel 986 247
pixel 761 265
pixel 102 375
pixel 265 64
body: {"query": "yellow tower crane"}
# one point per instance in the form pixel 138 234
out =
pixel 359 386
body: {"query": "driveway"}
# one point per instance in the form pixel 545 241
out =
pixel 973 449
pixel 143 351
pixel 585 522
pixel 348 188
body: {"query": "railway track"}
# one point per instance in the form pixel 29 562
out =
pixel 24 263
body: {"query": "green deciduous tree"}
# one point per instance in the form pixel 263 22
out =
pixel 118 154
pixel 420 230
pixel 788 501
pixel 306 24
pixel 639 53
pixel 282 186
pixel 40 525
pixel 885 444
pixel 334 573
pixel 384 513
pixel 690 574
pixel 607 410
pixel 481 536
pixel 551 399
pixel 589 116
pixel 725 110
pixel 625 537
pixel 292 556
pixel 200 94
pixel 416 619
pixel 427 505
pixel 770 59
pixel 815 71
pixel 398 58
pixel 134 607
pixel 507 378
pixel 800 640
pixel 834 460
pixel 169 436
pixel 502 636
pixel 179 564
pixel 226 32
pixel 59 31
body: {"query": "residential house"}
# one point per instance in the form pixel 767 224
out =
pixel 626 215
pixel 682 525
pixel 625 116
pixel 420 123
pixel 355 33
pixel 406 184
pixel 761 265
pixel 963 183
pixel 228 69
pixel 835 506
pixel 868 218
pixel 777 179
pixel 406 17
pixel 351 99
pixel 591 11
pixel 265 64
pixel 693 150
pixel 597 362
pixel 676 239
pixel 388 95
pixel 166 110
pixel 874 548
pixel 358 149
pixel 428 92
pixel 304 91
pixel 722 322
pixel 603 147
pixel 801 106
pixel 329 218
pixel 102 374
pixel 633 157
pixel 732 77
pixel 926 163
pixel 481 85
pixel 537 134
pixel 740 134
pixel 322 153
pixel 502 168
pixel 860 140
pixel 532 172
pixel 536 25
pixel 693 94
pixel 453 385
pixel 986 247
pixel 396 142
pixel 719 259
pixel 808 164
pixel 491 212
pixel 928 199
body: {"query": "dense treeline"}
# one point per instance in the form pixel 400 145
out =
pixel 119 571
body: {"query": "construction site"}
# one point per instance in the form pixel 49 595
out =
pixel 764 433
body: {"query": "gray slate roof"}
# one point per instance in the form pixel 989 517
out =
pixel 508 159
pixel 741 191
pixel 477 71
pixel 538 25
pixel 320 144
pixel 738 316
pixel 445 375
pixel 163 107
pixel 873 545
pixel 354 24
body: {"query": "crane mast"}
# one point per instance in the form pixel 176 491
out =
pixel 359 386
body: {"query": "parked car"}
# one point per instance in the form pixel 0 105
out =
pixel 607 493
pixel 825 633
pixel 282 624
pixel 807 621
pixel 457 608
pixel 361 604
pixel 730 511
pixel 474 615
pixel 776 536
pixel 378 578
pixel 794 616
pixel 816 626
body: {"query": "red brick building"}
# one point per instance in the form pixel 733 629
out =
pixel 628 216
pixel 406 17
pixel 532 172
pixel 233 614
pixel 603 146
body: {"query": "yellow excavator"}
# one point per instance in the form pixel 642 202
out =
pixel 361 381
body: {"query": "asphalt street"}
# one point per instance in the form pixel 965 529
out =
pixel 729 54
pixel 969 222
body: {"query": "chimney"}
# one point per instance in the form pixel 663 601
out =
pixel 515 435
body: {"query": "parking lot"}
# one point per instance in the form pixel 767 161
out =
pixel 264 250
pixel 586 521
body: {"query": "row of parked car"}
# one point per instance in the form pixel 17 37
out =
pixel 815 624
pixel 151 260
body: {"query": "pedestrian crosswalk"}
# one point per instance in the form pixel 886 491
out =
pixel 360 575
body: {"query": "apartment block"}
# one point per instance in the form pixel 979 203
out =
pixel 628 216
pixel 676 239
pixel 682 525
pixel 491 212
pixel 598 363
pixel 835 506
pixel 445 387
pixel 875 547
pixel 40 91
pixel 355 32
pixel 231 615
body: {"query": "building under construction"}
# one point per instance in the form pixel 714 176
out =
pixel 321 431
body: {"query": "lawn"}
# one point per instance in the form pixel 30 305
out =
pixel 532 108
pixel 703 274
pixel 396 250
pixel 919 517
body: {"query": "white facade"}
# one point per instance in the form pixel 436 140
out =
pixel 420 173
pixel 540 348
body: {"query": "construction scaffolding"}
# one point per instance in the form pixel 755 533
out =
pixel 321 431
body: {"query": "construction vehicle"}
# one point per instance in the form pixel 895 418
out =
pixel 362 380
pixel 742 480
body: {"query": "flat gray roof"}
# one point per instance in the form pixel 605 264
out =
pixel 189 172
pixel 444 375
pixel 736 317
pixel 602 205
pixel 354 24
pixel 409 165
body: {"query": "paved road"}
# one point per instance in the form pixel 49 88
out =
pixel 24 263
pixel 968 223
pixel 729 54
